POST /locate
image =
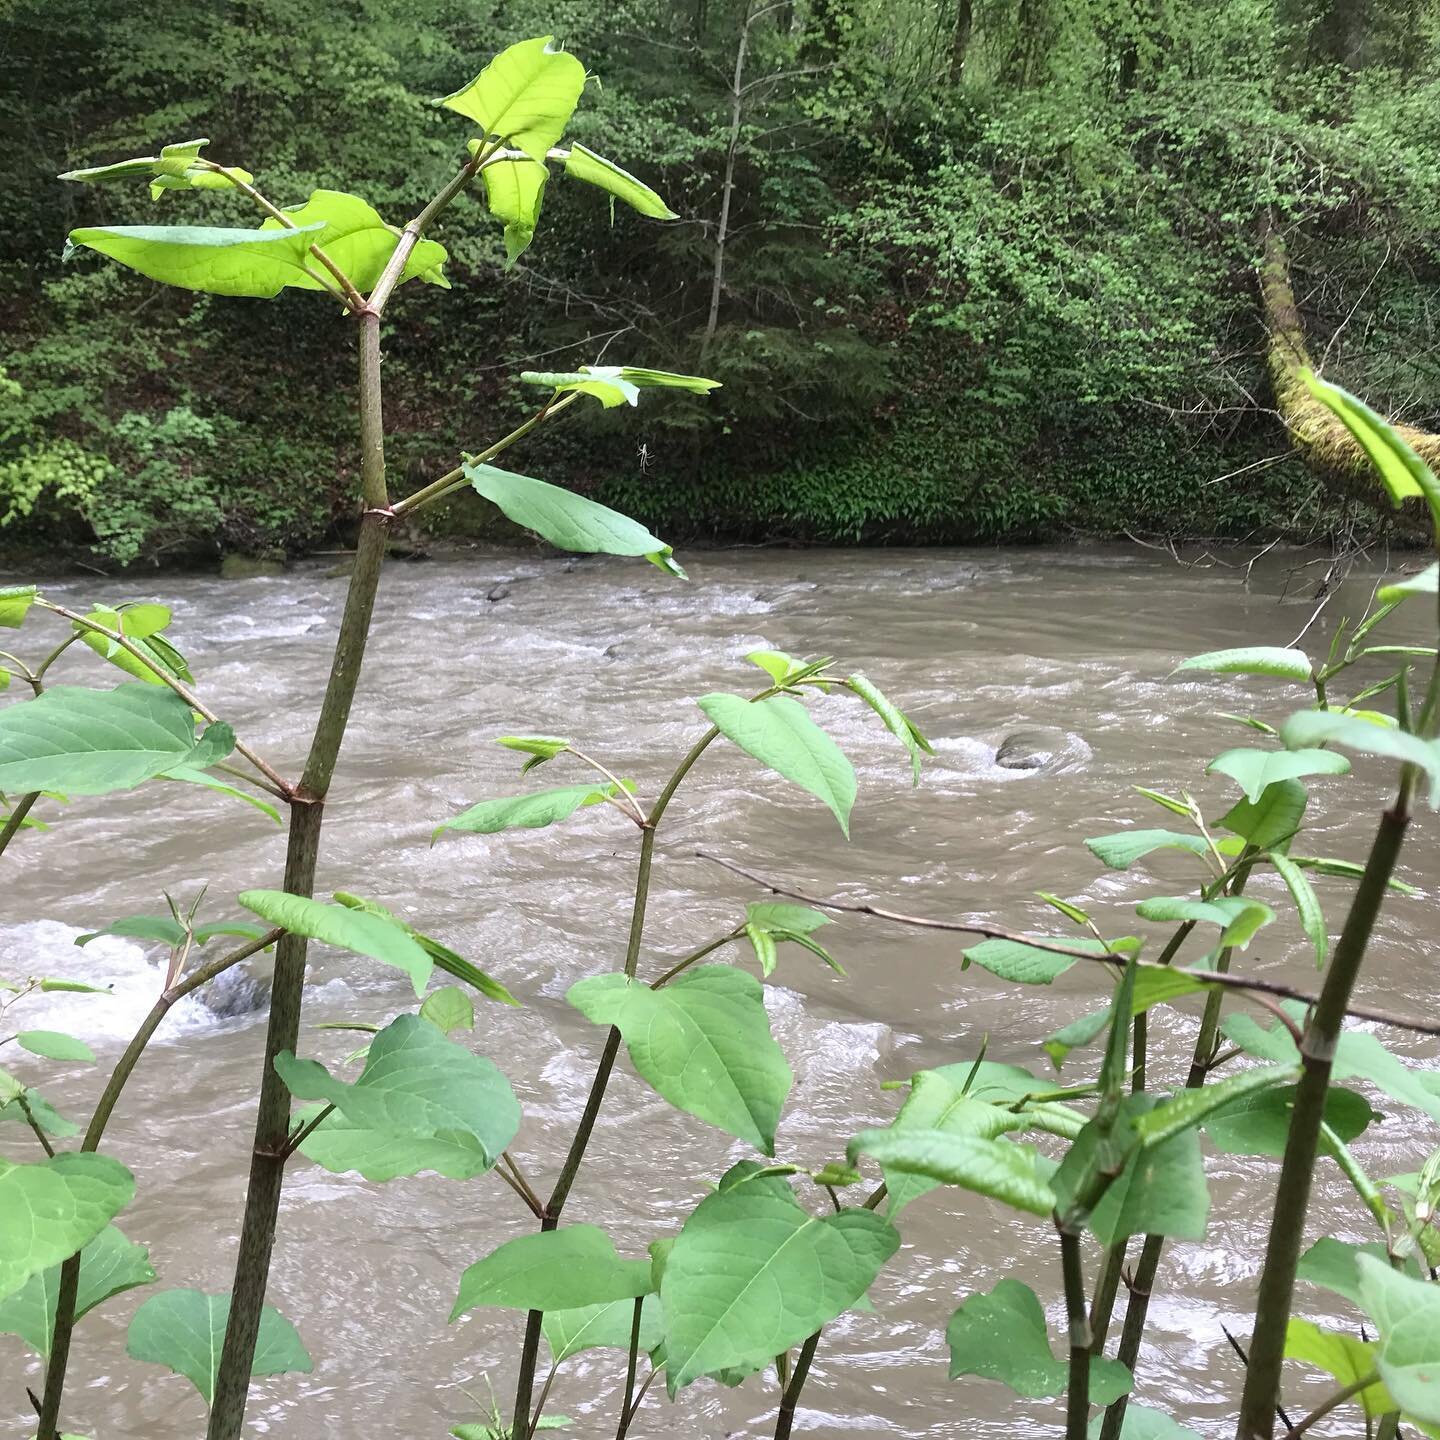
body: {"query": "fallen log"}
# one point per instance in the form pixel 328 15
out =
pixel 1322 442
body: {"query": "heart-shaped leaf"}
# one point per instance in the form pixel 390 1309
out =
pixel 564 1269
pixel 779 732
pixel 184 1330
pixel 703 1042
pixel 421 1103
pixel 752 1273
pixel 602 1327
pixel 51 1208
pixel 1001 1335
pixel 1254 770
pixel 524 96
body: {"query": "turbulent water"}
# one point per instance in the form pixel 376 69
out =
pixel 976 645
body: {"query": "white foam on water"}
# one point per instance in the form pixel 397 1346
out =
pixel 47 948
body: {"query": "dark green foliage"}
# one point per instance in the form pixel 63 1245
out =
pixel 986 287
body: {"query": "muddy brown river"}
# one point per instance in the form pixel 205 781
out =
pixel 975 644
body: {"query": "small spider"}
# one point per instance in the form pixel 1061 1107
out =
pixel 646 459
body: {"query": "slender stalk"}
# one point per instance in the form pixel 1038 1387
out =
pixel 165 678
pixel 540 1404
pixel 575 1156
pixel 790 1396
pixel 272 1124
pixel 692 958
pixel 1292 1193
pixel 1107 1287
pixel 632 1364
pixel 1077 1392
pixel 35 1125
pixel 70 1271
pixel 629 1416
pixel 454 479
pixel 1335 1401
pixel 16 818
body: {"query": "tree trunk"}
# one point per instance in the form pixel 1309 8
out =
pixel 960 39
pixel 1324 444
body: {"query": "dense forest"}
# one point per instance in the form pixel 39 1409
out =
pixel 969 270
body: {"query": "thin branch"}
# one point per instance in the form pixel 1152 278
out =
pixel 1206 977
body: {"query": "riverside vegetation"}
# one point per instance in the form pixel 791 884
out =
pixel 1107 1160
pixel 1057 208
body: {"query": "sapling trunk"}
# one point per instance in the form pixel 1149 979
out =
pixel 69 1286
pixel 1292 1193
pixel 575 1156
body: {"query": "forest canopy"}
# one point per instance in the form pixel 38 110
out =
pixel 969 270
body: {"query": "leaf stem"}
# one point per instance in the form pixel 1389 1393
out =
pixel 693 957
pixel 790 1397
pixel 165 678
pixel 1335 1401
pixel 70 1271
pixel 632 1364
pixel 454 480
pixel 16 818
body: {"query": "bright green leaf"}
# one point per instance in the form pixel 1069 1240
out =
pixel 449 1010
pixel 15 603
pixel 54 1045
pixel 51 1208
pixel 348 929
pixel 593 169
pixel 421 1103
pixel 1427 582
pixel 602 1327
pixel 1121 851
pixel 703 1042
pixel 752 1273
pixel 1282 664
pixel 896 721
pixel 1013 1174
pixel 515 191
pixel 1332 727
pixel 526 812
pixel 1307 904
pixel 1254 770
pixel 779 732
pixel 563 1269
pixel 524 96
pixel 1407 1313
pixel 1346 1358
pixel 1001 1335
pixel 1238 918
pixel 1270 822
pixel 185 1329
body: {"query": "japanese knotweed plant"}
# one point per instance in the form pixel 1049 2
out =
pixel 1133 1173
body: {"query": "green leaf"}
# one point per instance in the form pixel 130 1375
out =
pixel 449 1010
pixel 39 1109
pixel 184 1330
pixel 1283 664
pixel 785 919
pixel 353 235
pixel 1343 1356
pixel 539 748
pixel 896 721
pixel 1001 1335
pixel 936 1104
pixel 1307 904
pixel 1346 870
pixel 1028 965
pixel 1013 1174
pixel 779 733
pixel 1331 727
pixel 1238 918
pixel 739 1252
pixel 1270 822
pixel 567 520
pixel 54 1045
pixel 562 1269
pixel 1189 1108
pixel 614 385
pixel 776 664
pixel 1121 851
pixel 1331 1264
pixel 52 1208
pixel 15 603
pixel 1407 1314
pixel 703 1042
pixel 422 1102
pixel 1161 1191
pixel 593 169
pixel 515 191
pixel 199 777
pixel 1078 1032
pixel 1403 473
pixel 1141 1423
pixel 524 96
pixel 176 167
pixel 526 812
pixel 161 928
pixel 220 261
pixel 92 742
pixel 52 983
pixel 1427 582
pixel 1254 770
pixel 140 624
pixel 348 929
pixel 1259 1123
pixel 109 1265
pixel 602 1327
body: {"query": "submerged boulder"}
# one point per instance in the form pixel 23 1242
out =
pixel 1041 749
